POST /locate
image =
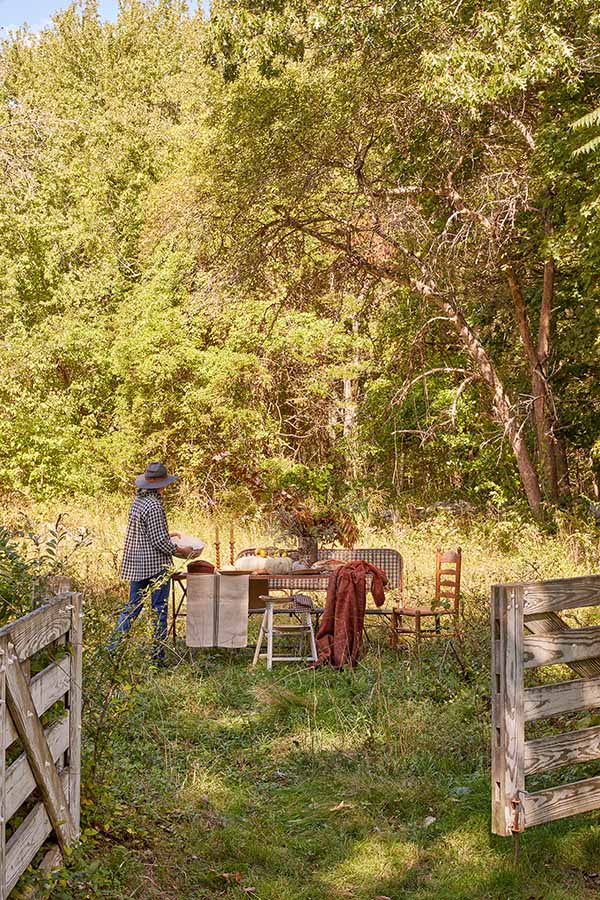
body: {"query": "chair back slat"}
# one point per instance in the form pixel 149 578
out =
pixel 447 576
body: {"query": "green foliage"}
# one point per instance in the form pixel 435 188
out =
pixel 158 299
pixel 28 557
pixel 588 121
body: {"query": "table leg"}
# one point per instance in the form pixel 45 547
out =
pixel 259 640
pixel 394 626
pixel 313 643
pixel 173 614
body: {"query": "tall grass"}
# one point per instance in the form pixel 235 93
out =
pixel 214 780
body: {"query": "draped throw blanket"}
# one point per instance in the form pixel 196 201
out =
pixel 217 610
pixel 339 639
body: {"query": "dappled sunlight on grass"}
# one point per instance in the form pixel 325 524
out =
pixel 201 785
pixel 373 861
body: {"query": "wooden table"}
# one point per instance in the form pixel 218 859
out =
pixel 387 559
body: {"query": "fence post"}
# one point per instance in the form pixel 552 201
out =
pixel 508 729
pixel 74 706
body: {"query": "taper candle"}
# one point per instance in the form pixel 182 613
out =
pixel 217 548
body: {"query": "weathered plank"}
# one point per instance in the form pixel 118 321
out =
pixel 46 688
pixel 19 777
pixel 558 750
pixel 550 623
pixel 74 704
pixel 4 720
pixel 559 802
pixel 566 647
pixel 498 624
pixel 27 840
pixel 513 694
pixel 31 734
pixel 562 697
pixel 507 708
pixel 562 593
pixel 549 641
pixel 51 860
pixel 39 628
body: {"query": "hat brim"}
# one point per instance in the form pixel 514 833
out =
pixel 142 482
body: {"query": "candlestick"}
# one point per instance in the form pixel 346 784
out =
pixel 231 545
pixel 217 548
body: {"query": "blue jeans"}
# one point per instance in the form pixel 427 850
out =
pixel 160 606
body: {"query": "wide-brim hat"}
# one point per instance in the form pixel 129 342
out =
pixel 155 476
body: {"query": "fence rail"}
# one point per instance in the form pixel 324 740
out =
pixel 40 716
pixel 527 632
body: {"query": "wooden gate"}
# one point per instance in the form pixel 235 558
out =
pixel 42 713
pixel 527 631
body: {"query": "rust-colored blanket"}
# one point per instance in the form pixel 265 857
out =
pixel 339 639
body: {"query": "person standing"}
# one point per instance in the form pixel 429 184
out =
pixel 147 557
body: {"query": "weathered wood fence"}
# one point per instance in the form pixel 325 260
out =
pixel 527 631
pixel 39 789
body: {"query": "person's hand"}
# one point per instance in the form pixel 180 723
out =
pixel 185 551
pixel 188 552
pixel 175 535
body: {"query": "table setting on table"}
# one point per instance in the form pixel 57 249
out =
pixel 218 599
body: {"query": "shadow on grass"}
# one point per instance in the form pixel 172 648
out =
pixel 326 786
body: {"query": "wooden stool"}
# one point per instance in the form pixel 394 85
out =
pixel 301 607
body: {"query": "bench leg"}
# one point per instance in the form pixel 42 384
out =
pixel 259 640
pixel 313 644
pixel 269 615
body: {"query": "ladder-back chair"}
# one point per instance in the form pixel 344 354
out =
pixel 446 603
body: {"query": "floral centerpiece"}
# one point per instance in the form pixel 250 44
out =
pixel 312 525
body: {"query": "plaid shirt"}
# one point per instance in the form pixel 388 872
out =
pixel 148 547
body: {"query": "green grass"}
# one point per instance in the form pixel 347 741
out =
pixel 212 780
pixel 313 786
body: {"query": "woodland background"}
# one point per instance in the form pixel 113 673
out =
pixel 343 247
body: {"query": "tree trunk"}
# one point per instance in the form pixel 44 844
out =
pixel 350 395
pixel 544 410
pixel 551 448
pixel 503 408
pixel 559 454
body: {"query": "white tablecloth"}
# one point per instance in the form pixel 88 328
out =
pixel 217 610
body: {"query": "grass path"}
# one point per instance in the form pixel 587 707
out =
pixel 228 782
